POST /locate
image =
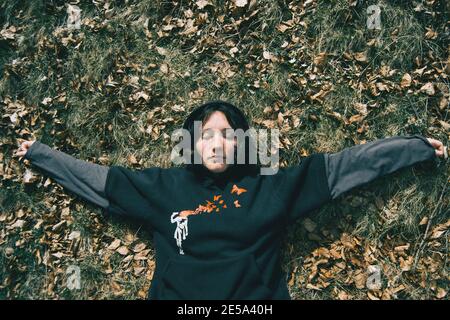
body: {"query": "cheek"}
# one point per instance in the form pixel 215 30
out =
pixel 201 146
pixel 230 145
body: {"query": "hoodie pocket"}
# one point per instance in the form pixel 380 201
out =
pixel 235 278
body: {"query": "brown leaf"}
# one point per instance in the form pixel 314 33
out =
pixel 443 103
pixel 361 56
pixel 405 265
pixel 423 221
pixel 283 27
pixel 241 3
pixel 342 295
pixel 114 245
pixel 280 119
pixel 402 248
pixel 28 176
pixel 132 159
pixel 269 56
pixel 360 279
pixel 361 108
pixel 123 250
pixel 139 247
pixel 428 88
pixel 164 68
pixel 57 227
pixel 18 224
pixel 441 293
pixel 313 287
pixel 431 34
pixel 372 296
pixel 406 81
pixel 444 125
pixel 419 71
pixel 382 87
pixel 320 59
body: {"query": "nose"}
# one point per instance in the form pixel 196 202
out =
pixel 217 144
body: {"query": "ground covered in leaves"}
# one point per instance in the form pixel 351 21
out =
pixel 112 92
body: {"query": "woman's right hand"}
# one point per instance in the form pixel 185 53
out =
pixel 22 150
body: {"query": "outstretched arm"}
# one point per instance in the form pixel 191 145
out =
pixel 360 164
pixel 84 178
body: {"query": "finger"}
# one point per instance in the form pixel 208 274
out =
pixel 431 141
pixel 436 143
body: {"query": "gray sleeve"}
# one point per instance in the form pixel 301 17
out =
pixel 361 164
pixel 84 178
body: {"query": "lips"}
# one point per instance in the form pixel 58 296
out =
pixel 217 158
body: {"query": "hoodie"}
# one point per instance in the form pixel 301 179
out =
pixel 219 236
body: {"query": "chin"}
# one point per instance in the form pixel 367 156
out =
pixel 217 168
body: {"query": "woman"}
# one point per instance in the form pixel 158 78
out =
pixel 235 216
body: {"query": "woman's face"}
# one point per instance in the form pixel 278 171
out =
pixel 214 145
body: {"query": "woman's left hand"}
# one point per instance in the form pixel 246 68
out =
pixel 440 149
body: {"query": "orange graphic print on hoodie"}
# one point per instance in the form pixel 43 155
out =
pixel 181 217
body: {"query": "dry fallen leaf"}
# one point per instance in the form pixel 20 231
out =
pixel 202 3
pixel 164 68
pixel 361 56
pixel 132 159
pixel 428 88
pixel 441 293
pixel 241 3
pixel 406 81
pixel 123 250
pixel 320 59
pixel 114 245
pixel 28 176
pixel 139 247
pixel 423 221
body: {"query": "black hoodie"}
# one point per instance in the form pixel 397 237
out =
pixel 218 236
